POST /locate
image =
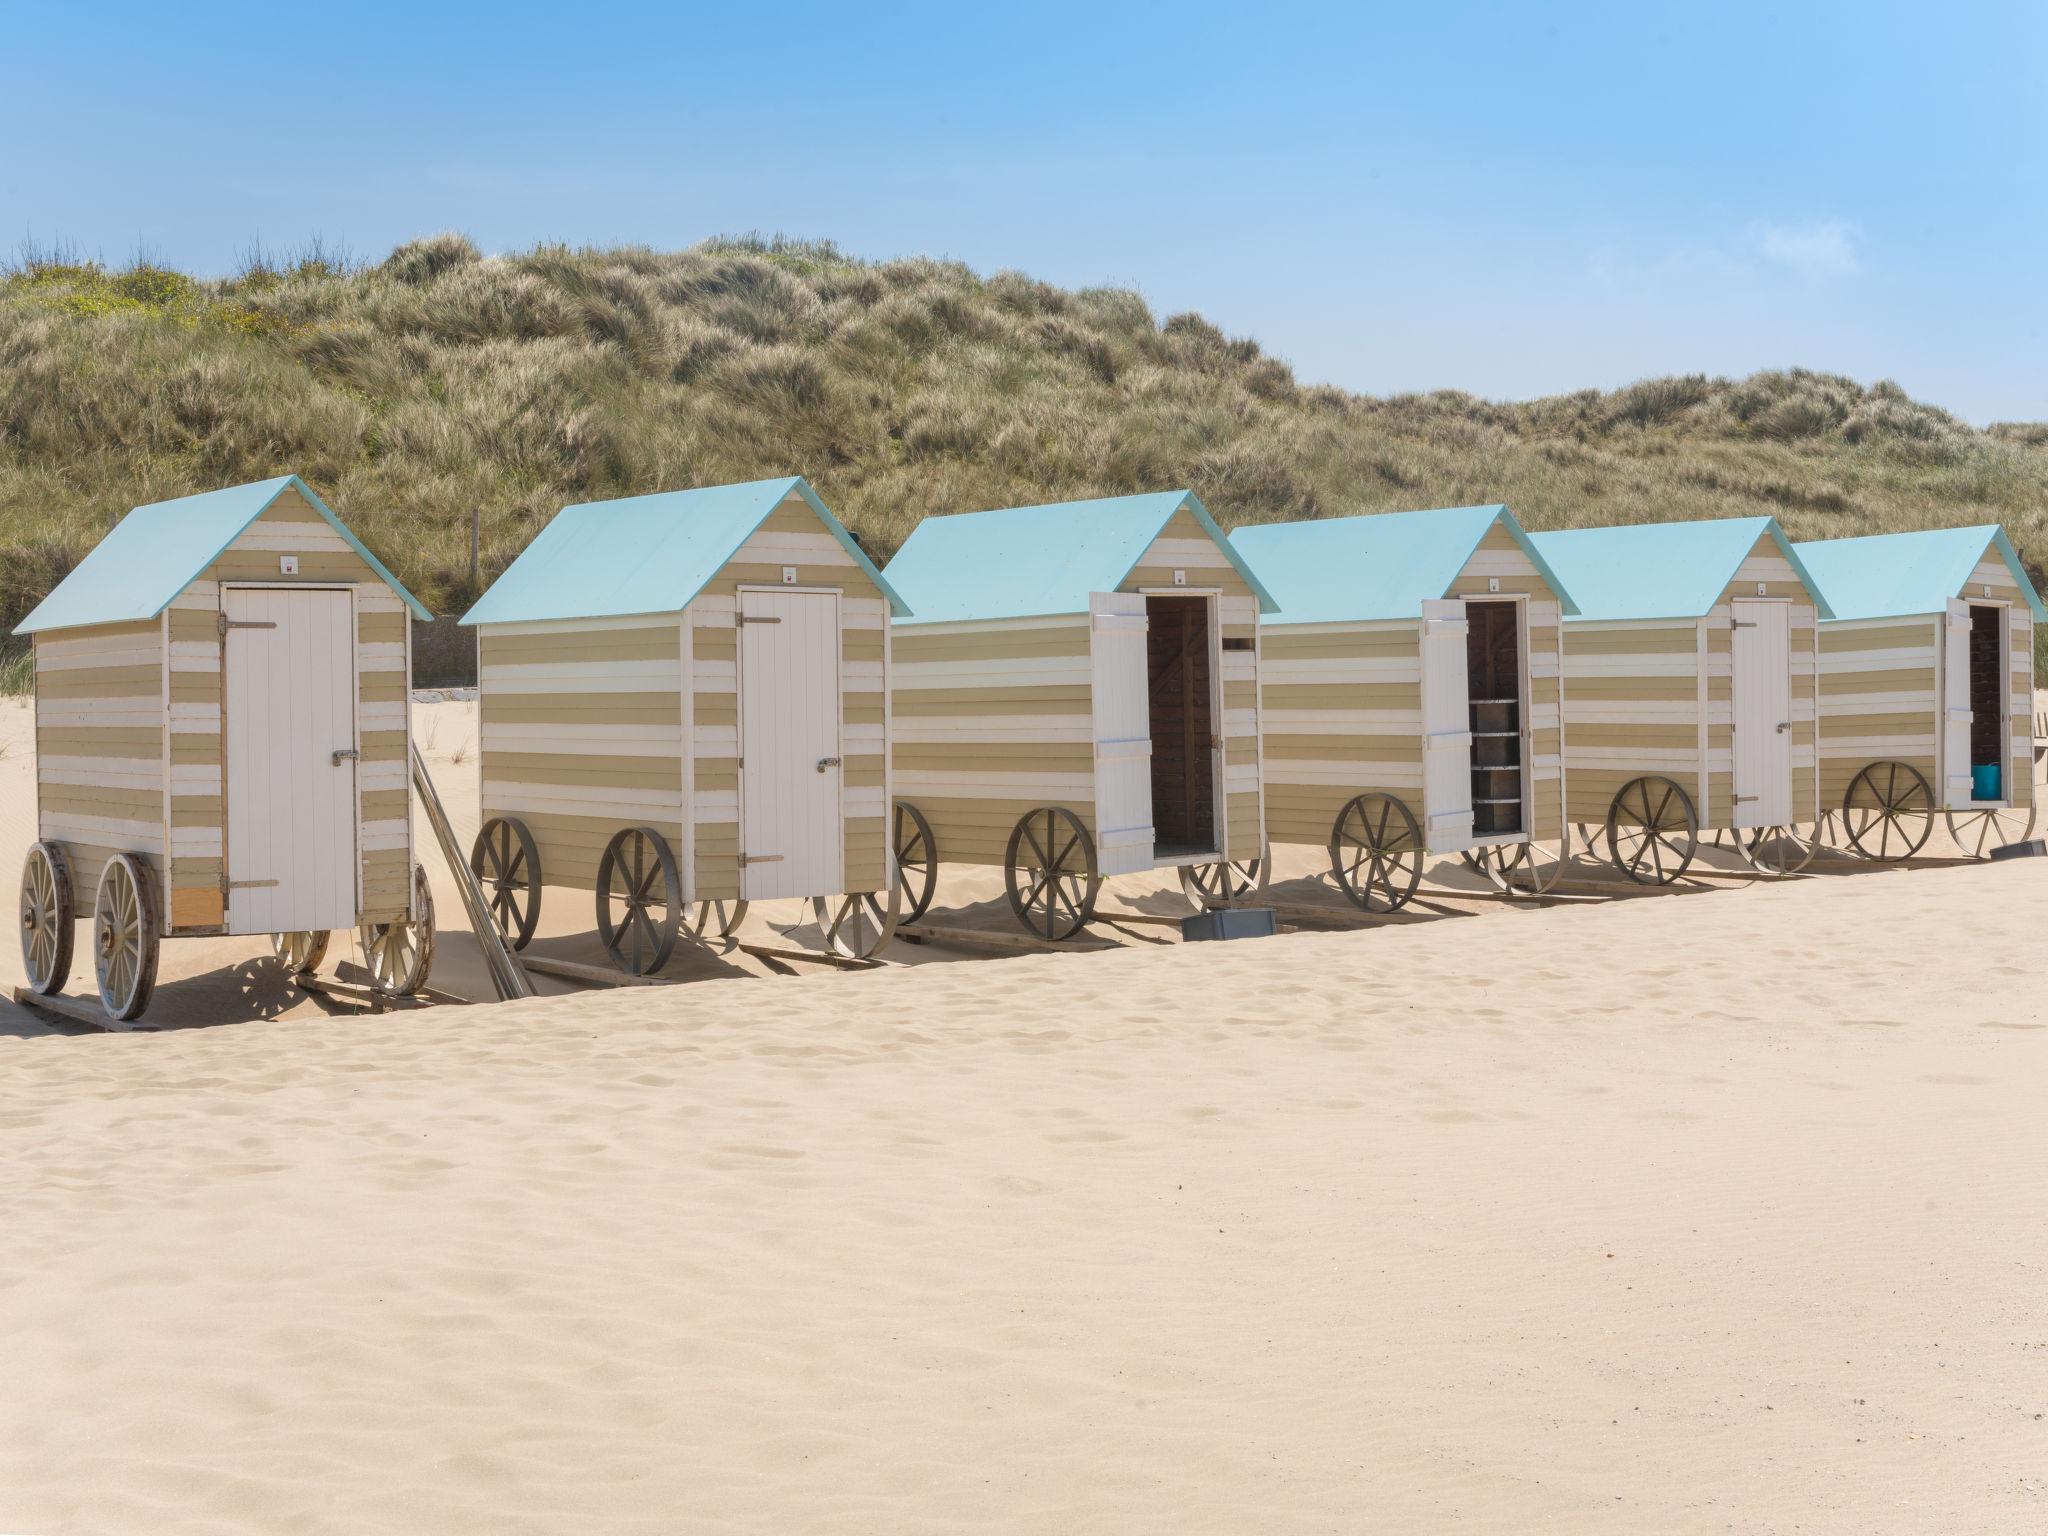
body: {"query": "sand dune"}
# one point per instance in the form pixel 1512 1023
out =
pixel 1712 1213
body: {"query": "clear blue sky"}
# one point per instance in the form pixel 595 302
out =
pixel 1487 197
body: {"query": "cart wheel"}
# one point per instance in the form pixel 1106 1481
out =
pixel 859 924
pixel 1888 812
pixel 1376 852
pixel 1977 833
pixel 1525 869
pixel 714 920
pixel 125 938
pixel 1224 884
pixel 1776 851
pixel 917 860
pixel 47 918
pixel 1050 872
pixel 401 954
pixel 300 953
pixel 1652 830
pixel 505 861
pixel 639 901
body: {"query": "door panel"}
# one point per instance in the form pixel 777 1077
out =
pixel 1180 678
pixel 1446 728
pixel 1762 686
pixel 790 770
pixel 289 706
pixel 1123 744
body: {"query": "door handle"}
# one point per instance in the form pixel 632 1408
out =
pixel 341 754
pixel 827 762
pixel 1784 725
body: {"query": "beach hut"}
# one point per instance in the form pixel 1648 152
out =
pixel 1689 692
pixel 1075 697
pixel 222 744
pixel 1927 688
pixel 683 709
pixel 1409 696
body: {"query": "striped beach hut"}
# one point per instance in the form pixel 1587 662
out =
pixel 1409 689
pixel 1690 687
pixel 1076 696
pixel 683 709
pixel 1927 687
pixel 222 744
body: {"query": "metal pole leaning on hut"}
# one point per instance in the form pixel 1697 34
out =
pixel 508 976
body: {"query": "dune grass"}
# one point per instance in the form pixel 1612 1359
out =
pixel 440 382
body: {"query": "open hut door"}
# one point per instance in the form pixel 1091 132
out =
pixel 1123 745
pixel 1446 728
pixel 1955 706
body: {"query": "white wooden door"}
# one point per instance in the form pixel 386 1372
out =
pixel 1762 663
pixel 289 698
pixel 1123 731
pixel 1956 785
pixel 1446 728
pixel 790 769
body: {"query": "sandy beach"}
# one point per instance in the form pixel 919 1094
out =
pixel 1717 1212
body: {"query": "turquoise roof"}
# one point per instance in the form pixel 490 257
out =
pixel 644 554
pixel 1897 575
pixel 1662 570
pixel 159 550
pixel 1382 565
pixel 1021 562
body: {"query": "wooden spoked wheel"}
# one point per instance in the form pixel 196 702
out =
pixel 1051 874
pixel 507 865
pixel 125 937
pixel 1652 830
pixel 1376 852
pixel 714 920
pixel 917 860
pixel 639 901
pixel 400 955
pixel 48 916
pixel 1524 869
pixel 300 953
pixel 1979 833
pixel 1224 884
pixel 859 924
pixel 1776 851
pixel 1888 812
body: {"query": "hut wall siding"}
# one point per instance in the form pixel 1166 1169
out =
pixel 99 742
pixel 1635 703
pixel 573 759
pixel 1879 699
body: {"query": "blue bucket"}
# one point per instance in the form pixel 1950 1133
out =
pixel 1986 782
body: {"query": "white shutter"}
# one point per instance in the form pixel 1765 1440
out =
pixel 1955 706
pixel 1446 728
pixel 1123 732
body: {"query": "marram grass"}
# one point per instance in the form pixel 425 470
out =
pixel 440 382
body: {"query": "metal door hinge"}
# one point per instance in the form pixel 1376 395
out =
pixel 225 623
pixel 758 618
pixel 760 858
pixel 1742 624
pixel 1740 798
pixel 250 885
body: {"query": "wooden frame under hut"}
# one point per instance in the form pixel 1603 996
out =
pixel 1690 690
pixel 1927 689
pixel 223 745
pixel 1410 697
pixel 1076 696
pixel 683 706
